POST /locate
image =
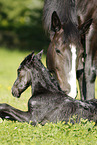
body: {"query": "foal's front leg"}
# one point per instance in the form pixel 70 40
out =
pixel 11 113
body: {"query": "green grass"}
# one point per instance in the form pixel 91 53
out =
pixel 24 25
pixel 22 133
pixel 84 133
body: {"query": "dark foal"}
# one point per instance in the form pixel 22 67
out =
pixel 47 103
pixel 65 53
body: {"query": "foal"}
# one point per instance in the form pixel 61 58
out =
pixel 47 103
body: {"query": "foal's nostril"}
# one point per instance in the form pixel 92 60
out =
pixel 15 92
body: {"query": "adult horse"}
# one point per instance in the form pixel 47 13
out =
pixel 64 55
pixel 87 9
pixel 47 103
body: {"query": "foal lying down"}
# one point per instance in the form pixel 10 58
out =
pixel 47 103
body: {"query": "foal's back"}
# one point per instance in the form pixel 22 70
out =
pixel 53 107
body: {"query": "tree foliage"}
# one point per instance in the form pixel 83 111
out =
pixel 21 23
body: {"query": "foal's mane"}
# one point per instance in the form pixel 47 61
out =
pixel 27 59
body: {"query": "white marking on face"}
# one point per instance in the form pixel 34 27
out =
pixel 72 73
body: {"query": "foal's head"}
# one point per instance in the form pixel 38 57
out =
pixel 26 73
pixel 65 52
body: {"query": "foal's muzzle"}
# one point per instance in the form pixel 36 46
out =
pixel 15 92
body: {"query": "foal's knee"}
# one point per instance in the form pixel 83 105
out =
pixel 31 104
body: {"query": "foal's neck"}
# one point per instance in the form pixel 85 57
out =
pixel 45 83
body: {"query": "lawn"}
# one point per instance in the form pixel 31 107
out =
pixel 23 133
pixel 21 25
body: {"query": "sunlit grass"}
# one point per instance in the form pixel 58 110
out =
pixel 17 133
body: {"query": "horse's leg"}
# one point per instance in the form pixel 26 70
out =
pixel 86 81
pixel 90 82
pixel 11 113
pixel 82 83
pixel 90 72
pixel 90 85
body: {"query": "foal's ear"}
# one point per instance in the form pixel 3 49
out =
pixel 39 55
pixel 32 54
pixel 85 26
pixel 55 22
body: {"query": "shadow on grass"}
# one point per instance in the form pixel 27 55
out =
pixel 25 37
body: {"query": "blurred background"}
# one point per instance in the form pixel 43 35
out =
pixel 21 25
